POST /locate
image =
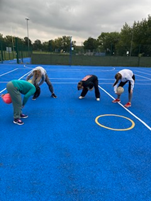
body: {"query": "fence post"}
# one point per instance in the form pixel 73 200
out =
pixel 70 53
pixel 139 55
pixel 16 44
pixel 1 52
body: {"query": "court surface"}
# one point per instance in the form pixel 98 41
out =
pixel 77 150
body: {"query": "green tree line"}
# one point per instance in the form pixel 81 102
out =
pixel 131 41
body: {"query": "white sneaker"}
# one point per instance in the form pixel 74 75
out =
pixel 98 99
pixel 80 97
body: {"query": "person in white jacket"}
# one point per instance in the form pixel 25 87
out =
pixel 39 75
pixel 121 78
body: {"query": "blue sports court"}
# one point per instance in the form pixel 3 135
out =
pixel 76 150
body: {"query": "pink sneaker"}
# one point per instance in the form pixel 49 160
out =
pixel 128 104
pixel 23 116
pixel 116 100
pixel 18 121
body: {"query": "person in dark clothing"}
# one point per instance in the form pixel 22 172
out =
pixel 87 84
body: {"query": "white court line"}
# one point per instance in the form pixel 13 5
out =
pixel 126 109
pixel 143 77
pixel 5 74
pixel 28 67
pixel 18 79
pixel 78 79
pixel 142 72
pixel 70 69
pixel 2 90
pixel 101 83
pixel 102 90
pixel 24 75
pixel 8 72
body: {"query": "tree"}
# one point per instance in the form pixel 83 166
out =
pixel 37 45
pixel 64 44
pixel 142 37
pixel 1 36
pixel 107 42
pixel 51 46
pixel 8 41
pixel 90 44
pixel 124 44
pixel 26 41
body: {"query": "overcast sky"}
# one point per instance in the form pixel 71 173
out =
pixel 81 19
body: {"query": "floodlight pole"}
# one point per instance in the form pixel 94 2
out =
pixel 131 43
pixel 27 33
pixel 70 53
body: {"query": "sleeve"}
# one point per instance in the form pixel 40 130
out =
pixel 115 87
pixel 132 83
pixel 28 94
pixel 42 80
pixel 29 76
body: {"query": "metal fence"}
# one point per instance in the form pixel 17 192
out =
pixel 14 51
pixel 87 60
pixel 139 55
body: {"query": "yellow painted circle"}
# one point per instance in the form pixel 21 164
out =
pixel 114 129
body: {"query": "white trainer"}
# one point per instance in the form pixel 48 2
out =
pixel 80 97
pixel 98 99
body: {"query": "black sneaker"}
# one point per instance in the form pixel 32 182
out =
pixel 53 95
pixel 18 121
pixel 24 116
pixel 33 98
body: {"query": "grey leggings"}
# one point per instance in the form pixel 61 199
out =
pixel 49 83
pixel 16 99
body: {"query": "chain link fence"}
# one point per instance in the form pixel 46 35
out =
pixel 139 55
pixel 14 51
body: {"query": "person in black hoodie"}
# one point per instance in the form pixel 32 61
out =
pixel 87 84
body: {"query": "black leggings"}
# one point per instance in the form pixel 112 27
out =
pixel 96 88
pixel 37 93
pixel 129 86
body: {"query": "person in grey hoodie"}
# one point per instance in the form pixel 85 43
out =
pixel 39 76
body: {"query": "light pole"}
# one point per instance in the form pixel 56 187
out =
pixel 70 53
pixel 131 42
pixel 27 33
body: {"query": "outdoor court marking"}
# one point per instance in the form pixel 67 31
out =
pixel 3 90
pixel 76 83
pixel 142 72
pixel 76 70
pixel 105 92
pixel 127 109
pixel 8 72
pixel 18 79
pixel 143 77
pixel 5 74
pixel 115 129
pixel 147 79
pixel 143 84
pixel 28 67
pixel 23 76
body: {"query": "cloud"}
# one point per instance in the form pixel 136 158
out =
pixel 77 18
